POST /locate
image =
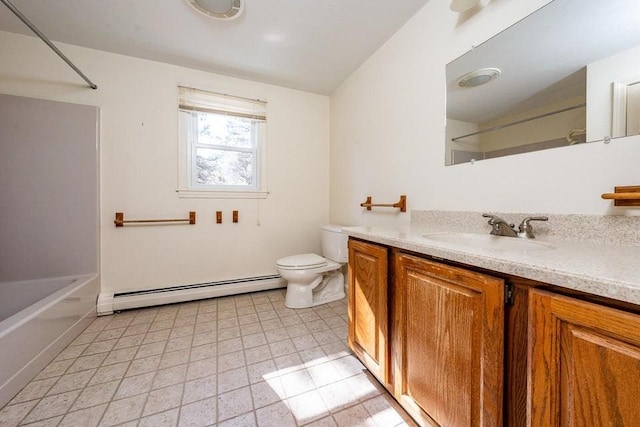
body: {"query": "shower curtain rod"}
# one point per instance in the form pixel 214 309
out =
pixel 517 122
pixel 44 38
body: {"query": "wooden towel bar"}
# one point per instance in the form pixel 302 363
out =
pixel 401 204
pixel 120 221
pixel 624 196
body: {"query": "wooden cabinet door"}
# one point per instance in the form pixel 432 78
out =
pixel 448 343
pixel 368 313
pixel 584 363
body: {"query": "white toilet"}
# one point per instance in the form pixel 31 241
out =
pixel 314 280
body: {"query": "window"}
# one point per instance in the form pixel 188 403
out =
pixel 221 145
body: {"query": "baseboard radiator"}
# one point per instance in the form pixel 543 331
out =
pixel 109 302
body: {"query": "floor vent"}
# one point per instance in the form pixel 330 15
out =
pixel 108 302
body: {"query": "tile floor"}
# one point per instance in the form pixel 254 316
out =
pixel 244 360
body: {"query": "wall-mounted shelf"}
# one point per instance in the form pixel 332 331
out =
pixel 401 204
pixel 624 196
pixel 120 221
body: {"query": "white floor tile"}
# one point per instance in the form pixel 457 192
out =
pixel 201 413
pixel 109 373
pixel 242 361
pixel 95 395
pixel 120 411
pixel 164 419
pixel 244 420
pixel 11 415
pixel 163 399
pixel 264 394
pixel 52 406
pixel 275 415
pixel 308 407
pixel 232 379
pixel 199 389
pixel 234 403
pixel 89 417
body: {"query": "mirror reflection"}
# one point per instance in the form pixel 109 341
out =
pixel 567 74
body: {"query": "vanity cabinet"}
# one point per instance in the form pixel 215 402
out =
pixel 368 307
pixel 431 333
pixel 443 340
pixel 584 363
pixel 447 343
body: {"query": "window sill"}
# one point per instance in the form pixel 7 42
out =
pixel 203 194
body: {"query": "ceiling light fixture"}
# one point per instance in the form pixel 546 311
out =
pixel 478 77
pixel 462 5
pixel 218 9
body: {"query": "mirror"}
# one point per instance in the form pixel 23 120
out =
pixel 569 73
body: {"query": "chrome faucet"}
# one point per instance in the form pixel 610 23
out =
pixel 500 227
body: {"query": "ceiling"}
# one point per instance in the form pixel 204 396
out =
pixel 312 45
pixel 542 57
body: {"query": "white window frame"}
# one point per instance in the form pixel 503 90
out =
pixel 187 146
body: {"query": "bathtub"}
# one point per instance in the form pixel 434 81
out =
pixel 39 318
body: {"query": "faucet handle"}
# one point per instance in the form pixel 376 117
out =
pixel 493 219
pixel 526 229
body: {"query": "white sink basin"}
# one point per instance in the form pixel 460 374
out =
pixel 489 242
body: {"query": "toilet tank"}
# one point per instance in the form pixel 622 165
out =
pixel 334 243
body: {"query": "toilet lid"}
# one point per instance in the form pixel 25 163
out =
pixel 302 261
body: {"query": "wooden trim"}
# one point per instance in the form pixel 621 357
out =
pixel 515 363
pixel 543 334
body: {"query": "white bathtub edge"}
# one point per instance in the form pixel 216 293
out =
pixel 32 368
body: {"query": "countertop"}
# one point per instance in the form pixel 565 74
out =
pixel 608 270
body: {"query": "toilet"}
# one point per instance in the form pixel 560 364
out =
pixel 313 280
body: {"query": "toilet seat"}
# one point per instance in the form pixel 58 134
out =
pixel 301 262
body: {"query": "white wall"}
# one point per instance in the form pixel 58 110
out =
pixel 387 134
pixel 138 103
pixel 624 68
